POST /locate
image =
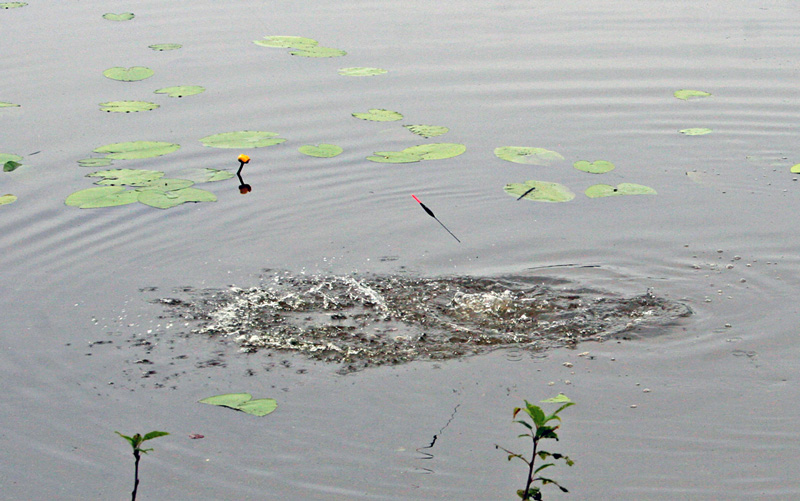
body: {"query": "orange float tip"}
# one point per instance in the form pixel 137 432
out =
pixel 243 158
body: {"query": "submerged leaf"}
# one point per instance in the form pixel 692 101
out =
pixel 102 196
pixel 687 94
pixel 137 149
pixel 10 162
pixel 543 191
pixel 181 90
pixel 165 46
pixel 427 130
pixel 596 167
pixel 242 139
pixel 379 115
pixel 7 199
pixel 697 131
pixel 361 72
pixel 321 150
pixel 125 16
pixel 127 106
pixel 132 74
pixel 317 51
pixel 11 166
pixel 286 42
pixel 527 155
pixel 126 177
pixel 95 162
pixel 605 190
pixel 167 199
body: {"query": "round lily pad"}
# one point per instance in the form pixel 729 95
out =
pixel 165 184
pixel 596 167
pixel 181 90
pixel 436 151
pixel 132 74
pixel 259 406
pixel 394 157
pixel 687 94
pixel 102 196
pixel 4 104
pixel 321 150
pixel 165 46
pixel 286 42
pixel 206 175
pixel 361 72
pixel 12 5
pixel 7 199
pixel 606 190
pixel 243 402
pixel 317 51
pixel 125 16
pixel 127 106
pixel 167 199
pixel 242 139
pixel 540 191
pixel 137 149
pixel 526 155
pixel 126 177
pixel 379 115
pixel 697 131
pixel 427 130
pixel 94 162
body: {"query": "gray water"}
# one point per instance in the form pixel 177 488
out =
pixel 85 351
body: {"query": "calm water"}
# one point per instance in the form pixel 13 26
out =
pixel 589 79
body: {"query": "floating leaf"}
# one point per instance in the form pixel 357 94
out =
pixel 379 115
pixel 4 104
pixel 242 139
pixel 165 184
pixel 687 94
pixel 233 400
pixel 126 177
pixel 286 42
pixel 127 106
pixel 316 51
pixel 10 162
pixel 102 196
pixel 132 74
pixel 427 130
pixel 259 407
pixel 605 190
pixel 7 199
pixel 436 151
pixel 526 155
pixel 361 72
pixel 11 166
pixel 12 5
pixel 125 16
pixel 243 402
pixel 697 131
pixel 165 46
pixel 543 192
pixel 137 149
pixel 394 157
pixel 596 167
pixel 321 150
pixel 795 169
pixel 181 90
pixel 206 175
pixel 167 199
pixel 94 162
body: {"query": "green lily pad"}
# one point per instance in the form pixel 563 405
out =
pixel 181 90
pixel 125 16
pixel 126 177
pixel 11 166
pixel 394 157
pixel 606 190
pixel 206 175
pixel 526 155
pixel 243 402
pixel 102 196
pixel 697 131
pixel 4 104
pixel 543 191
pixel 379 115
pixel 12 5
pixel 687 94
pixel 132 74
pixel 166 199
pixel 361 72
pixel 321 150
pixel 795 169
pixel 286 42
pixel 165 184
pixel 427 130
pixel 596 167
pixel 127 106
pixel 317 51
pixel 436 151
pixel 7 199
pixel 95 162
pixel 165 46
pixel 242 139
pixel 137 149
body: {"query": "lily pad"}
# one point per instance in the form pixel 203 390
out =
pixel 436 151
pixel 95 162
pixel 137 149
pixel 127 106
pixel 166 199
pixel 243 402
pixel 379 115
pixel 165 184
pixel 361 72
pixel 526 155
pixel 126 177
pixel 12 5
pixel 317 51
pixel 321 150
pixel 687 94
pixel 286 42
pixel 697 131
pixel 7 199
pixel 181 90
pixel 132 74
pixel 242 139
pixel 11 166
pixel 125 16
pixel 394 157
pixel 427 130
pixel 543 191
pixel 795 169
pixel 606 190
pixel 10 162
pixel 206 175
pixel 4 104
pixel 102 196
pixel 596 167
pixel 165 46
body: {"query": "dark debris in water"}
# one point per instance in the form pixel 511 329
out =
pixel 378 320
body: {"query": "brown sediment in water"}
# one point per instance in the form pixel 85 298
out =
pixel 379 320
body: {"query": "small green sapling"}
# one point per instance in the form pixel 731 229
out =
pixel 136 442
